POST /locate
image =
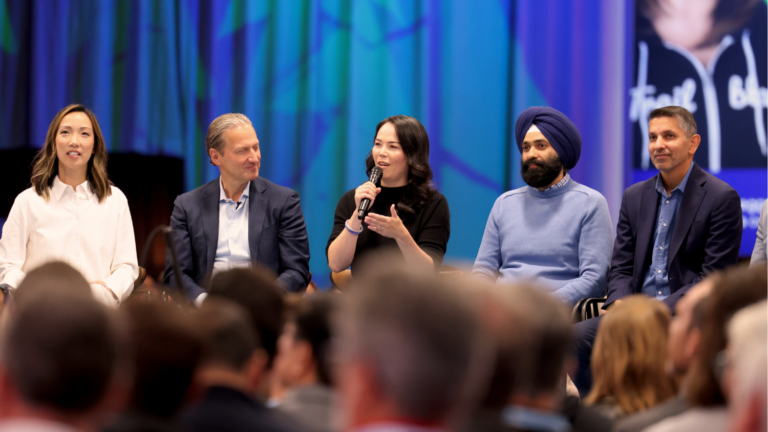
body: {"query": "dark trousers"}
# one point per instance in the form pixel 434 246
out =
pixel 585 333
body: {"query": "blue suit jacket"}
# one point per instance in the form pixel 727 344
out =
pixel 706 238
pixel 277 235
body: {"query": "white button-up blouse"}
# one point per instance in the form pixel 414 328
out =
pixel 74 227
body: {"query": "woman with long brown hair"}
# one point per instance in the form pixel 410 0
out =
pixel 407 213
pixel 629 357
pixel 72 213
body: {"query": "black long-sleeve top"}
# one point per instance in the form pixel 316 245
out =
pixel 430 227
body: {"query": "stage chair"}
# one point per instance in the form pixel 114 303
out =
pixel 140 280
pixel 587 308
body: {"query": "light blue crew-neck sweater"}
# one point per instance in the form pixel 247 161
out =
pixel 560 237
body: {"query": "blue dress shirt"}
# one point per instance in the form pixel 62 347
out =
pixel 232 249
pixel 520 417
pixel 656 283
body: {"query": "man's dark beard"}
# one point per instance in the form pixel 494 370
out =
pixel 545 174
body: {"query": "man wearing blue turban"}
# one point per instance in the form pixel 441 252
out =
pixel 554 230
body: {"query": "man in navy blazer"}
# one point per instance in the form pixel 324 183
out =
pixel 673 229
pixel 239 219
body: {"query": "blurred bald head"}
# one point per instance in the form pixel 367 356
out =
pixel 54 276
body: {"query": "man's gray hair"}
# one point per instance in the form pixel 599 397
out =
pixel 219 125
pixel 747 335
pixel 748 352
pixel 683 116
pixel 421 335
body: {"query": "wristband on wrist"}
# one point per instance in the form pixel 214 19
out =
pixel 352 231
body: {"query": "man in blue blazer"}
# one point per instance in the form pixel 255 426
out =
pixel 239 219
pixel 673 229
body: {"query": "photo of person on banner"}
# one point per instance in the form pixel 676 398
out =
pixel 708 56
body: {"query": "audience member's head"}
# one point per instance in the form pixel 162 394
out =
pixel 685 328
pixel 530 361
pixel 258 293
pixel 54 276
pixel 629 356
pixel 302 350
pixel 408 346
pixel 60 355
pixel 747 381
pixel 733 290
pixel 166 350
pixel 232 357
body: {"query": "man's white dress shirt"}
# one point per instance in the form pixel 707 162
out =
pixel 72 226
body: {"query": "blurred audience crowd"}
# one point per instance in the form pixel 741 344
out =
pixel 398 350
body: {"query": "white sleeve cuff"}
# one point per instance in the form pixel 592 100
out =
pixel 199 300
pixel 102 295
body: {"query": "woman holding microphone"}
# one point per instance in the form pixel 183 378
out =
pixel 405 211
pixel 72 213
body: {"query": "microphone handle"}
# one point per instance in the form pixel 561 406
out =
pixel 364 204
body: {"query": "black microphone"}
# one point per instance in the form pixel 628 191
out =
pixel 376 173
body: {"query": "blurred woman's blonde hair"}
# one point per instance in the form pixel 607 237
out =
pixel 628 360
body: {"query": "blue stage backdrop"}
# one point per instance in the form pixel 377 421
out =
pixel 316 76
